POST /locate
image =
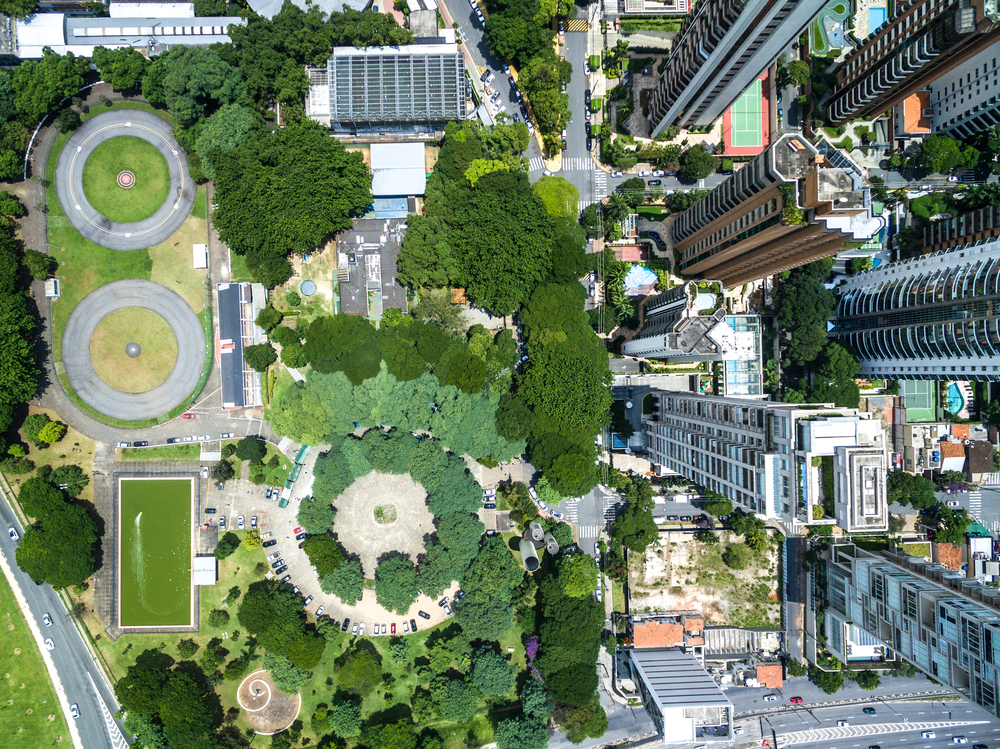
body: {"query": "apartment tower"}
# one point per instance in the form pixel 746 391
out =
pixel 966 100
pixel 930 318
pixel 792 204
pixel 777 460
pixel 924 40
pixel 723 46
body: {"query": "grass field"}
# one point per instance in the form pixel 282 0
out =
pixel 167 452
pixel 917 550
pixel 100 179
pixel 73 449
pixel 157 356
pixel 155 552
pixel 31 717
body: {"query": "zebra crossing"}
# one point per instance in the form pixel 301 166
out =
pixel 570 509
pixel 577 163
pixel 600 185
pixel 536 164
pixel 590 531
pixel 117 739
pixel 992 480
pixel 975 504
pixel 583 204
pixel 611 505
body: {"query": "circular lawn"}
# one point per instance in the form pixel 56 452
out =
pixel 126 179
pixel 157 350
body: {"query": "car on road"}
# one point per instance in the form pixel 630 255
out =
pixel 770 698
pixel 413 625
pixel 46 620
pixel 586 66
pixel 205 437
pixel 189 438
pixel 227 435
pixel 239 522
pixel 13 534
pixel 282 568
pixel 590 144
pixel 491 533
pixel 204 472
pixel 266 544
pixel 393 630
pixel 562 30
pixel 617 174
pixel 869 711
pixel 597 548
pixel 953 179
pixel 685 518
pixel 253 521
pixel 354 629
pixel 959 740
pixel 952 503
pixel 307 601
pixel 423 615
pixel 222 521
pixel 124 444
pixel 302 537
pixel 796 700
pixel 657 172
pixel 143 443
pixel 926 187
pixel 586 114
pixel 564 146
pixel 980 746
pixel 276 564
pixel 645 174
pixel 319 612
pixel 842 723
pixel 874 746
pixel 346 625
pixel 654 182
pixel 187 416
pixel 49 645
pixel 74 710
pixel 173 440
pixel 928 735
pixel 210 510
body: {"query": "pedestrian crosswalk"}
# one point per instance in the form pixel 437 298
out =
pixel 611 505
pixel 590 531
pixel 536 164
pixel 975 503
pixel 583 204
pixel 992 480
pixel 600 185
pixel 577 163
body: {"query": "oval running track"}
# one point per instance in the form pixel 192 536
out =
pixel 95 226
pixel 133 406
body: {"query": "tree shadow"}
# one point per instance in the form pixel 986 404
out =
pixel 393 714
pixel 156 660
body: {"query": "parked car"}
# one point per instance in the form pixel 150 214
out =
pixel 511 81
pixel 413 625
pixel 296 590
pixel 143 443
pixel 393 629
pixel 124 444
pixel 506 67
pixel 616 174
pixel 222 521
pixel 46 620
pixel 273 556
pixel 283 568
pixel 275 565
pixel 361 629
pixel 489 506
pixel 564 144
pixel 239 522
pixel 187 416
pixel 13 534
pixel 597 549
pixel 406 627
pixel 319 612
pixel 423 615
pixel 205 437
pixel 491 532
pixel 685 518
pixel 645 174
pixel 301 537
pixel 657 172
pixel 559 515
pixel 286 578
pixel 204 472
pixel 298 530
pixel 173 440
pixel 447 610
pixel 597 594
pixel 221 486
pixel 489 77
pixel 562 30
pixel 586 97
pixel 210 510
pixel 270 543
pixel 253 521
pixel 346 625
pixel 307 601
pixel 227 435
pixel 74 711
pixel 189 438
pixel 354 629
pixel 738 731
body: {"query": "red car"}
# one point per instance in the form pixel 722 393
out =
pixel 297 531
pixel 394 627
pixel 796 700
pixel 188 416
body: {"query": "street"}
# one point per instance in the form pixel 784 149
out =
pixel 75 668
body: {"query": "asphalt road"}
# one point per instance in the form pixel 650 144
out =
pixel 72 659
pixel 178 385
pixel 94 226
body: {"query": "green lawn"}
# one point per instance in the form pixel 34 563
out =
pixel 917 550
pixel 142 159
pixel 167 452
pixel 31 717
pixel 238 270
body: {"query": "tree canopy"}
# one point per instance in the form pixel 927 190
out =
pixel 804 306
pixel 192 82
pixel 273 614
pixel 58 549
pixel 41 85
pixel 396 586
pixel 697 163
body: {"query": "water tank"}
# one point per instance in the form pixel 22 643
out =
pixel 535 528
pixel 551 545
pixel 529 556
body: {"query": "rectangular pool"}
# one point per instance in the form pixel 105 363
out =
pixel 876 19
pixel 154 552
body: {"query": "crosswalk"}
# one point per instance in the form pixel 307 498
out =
pixel 570 509
pixel 992 480
pixel 117 739
pixel 976 504
pixel 577 163
pixel 843 733
pixel 583 204
pixel 611 505
pixel 590 531
pixel 600 185
pixel 536 164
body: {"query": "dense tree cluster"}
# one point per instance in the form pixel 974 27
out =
pixel 18 358
pixel 489 583
pixel 273 615
pixel 804 306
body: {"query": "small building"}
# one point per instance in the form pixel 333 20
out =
pixel 529 557
pixel 398 170
pixel 912 117
pixel 53 289
pixel 979 461
pixel 366 267
pixel 200 252
pixel 666 629
pixel 656 7
pixel 238 307
pixel 684 701
pixel 271 8
pixel 204 570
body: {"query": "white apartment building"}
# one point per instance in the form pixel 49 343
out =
pixel 813 464
pixel 966 100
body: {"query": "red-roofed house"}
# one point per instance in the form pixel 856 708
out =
pixel 912 118
pixel 770 675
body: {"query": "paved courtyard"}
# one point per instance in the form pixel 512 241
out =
pixel 358 531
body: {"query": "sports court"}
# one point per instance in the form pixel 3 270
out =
pixel 920 398
pixel 745 124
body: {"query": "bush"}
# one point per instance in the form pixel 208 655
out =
pixel 737 556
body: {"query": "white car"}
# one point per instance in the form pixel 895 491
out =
pixel 617 174
pixel 319 612
pixel 308 601
pixel 542 505
pixel 124 444
pixel 645 174
pixel 253 521
pixel 738 731
pixel 239 522
pixel 447 610
pixel 533 493
pixel 362 630
pixel 547 173
pixel 204 472
pixel 205 437
pixel 354 629
pixel 406 627
pixel 842 723
pixel 597 593
pixel 47 620
pixel 227 435
pixel 490 78
pixel 296 590
pixel 658 173
pixel 952 503
pixel 928 735
pixel 49 645
pixel 770 698
pixel 959 740
pixel 597 548
pixel 272 557
pixel 74 711
pixel 12 533
pixel 189 438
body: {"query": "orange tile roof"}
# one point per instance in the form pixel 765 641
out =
pixel 657 635
pixel 770 675
pixel 952 450
pixel 960 431
pixel 949 555
pixel 914 120
pixel 693 624
pixel 696 641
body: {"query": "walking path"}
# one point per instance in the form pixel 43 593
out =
pixel 100 229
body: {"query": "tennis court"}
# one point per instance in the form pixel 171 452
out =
pixel 746 118
pixel 920 398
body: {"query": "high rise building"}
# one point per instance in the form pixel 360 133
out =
pixel 723 46
pixel 929 318
pixel 966 228
pixel 885 606
pixel 966 100
pixel 923 41
pixel 779 460
pixel 794 203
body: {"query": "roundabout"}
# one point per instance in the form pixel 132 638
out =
pixel 126 180
pixel 185 332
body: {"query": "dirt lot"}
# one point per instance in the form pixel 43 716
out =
pixel 682 573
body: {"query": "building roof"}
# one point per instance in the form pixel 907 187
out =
pixel 271 8
pixel 948 555
pixel 231 345
pixel 770 675
pixel 676 679
pixel 980 456
pixel 398 169
pixel 150 10
pixel 657 634
pixel 204 571
pixel 960 431
pixel 914 119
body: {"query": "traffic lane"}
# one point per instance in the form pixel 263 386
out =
pixel 576 135
pixel 747 699
pixel 70 657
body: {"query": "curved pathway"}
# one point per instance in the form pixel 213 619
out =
pixel 100 229
pixel 133 293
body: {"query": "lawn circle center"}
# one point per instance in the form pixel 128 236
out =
pixel 385 514
pixel 126 180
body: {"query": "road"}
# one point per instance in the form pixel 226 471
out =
pixel 75 669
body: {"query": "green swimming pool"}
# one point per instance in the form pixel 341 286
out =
pixel 154 552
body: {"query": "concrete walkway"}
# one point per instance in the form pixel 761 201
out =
pixel 119 295
pixel 100 229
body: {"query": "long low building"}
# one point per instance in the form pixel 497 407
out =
pixel 82 34
pixel 239 305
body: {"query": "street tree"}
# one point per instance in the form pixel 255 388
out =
pixel 697 163
pixel 396 586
